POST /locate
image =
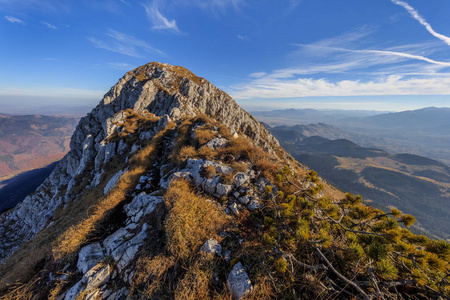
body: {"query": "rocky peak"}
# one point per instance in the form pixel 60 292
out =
pixel 163 89
pixel 168 92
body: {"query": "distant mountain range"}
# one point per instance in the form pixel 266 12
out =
pixel 412 183
pixel 424 132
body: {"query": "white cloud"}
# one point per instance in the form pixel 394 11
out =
pixel 52 92
pixel 326 68
pixel 215 4
pixel 125 44
pixel 415 14
pixel 257 74
pixel 158 20
pixel 308 87
pixel 122 66
pixel 14 20
pixel 392 53
pixel 51 26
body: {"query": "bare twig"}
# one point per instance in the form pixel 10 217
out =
pixel 363 294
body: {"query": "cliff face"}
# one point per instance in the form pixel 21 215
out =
pixel 171 190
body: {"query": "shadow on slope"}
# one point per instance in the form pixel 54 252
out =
pixel 14 190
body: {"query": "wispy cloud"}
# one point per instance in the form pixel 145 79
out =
pixel 14 20
pixel 329 68
pixel 51 92
pixel 51 26
pixel 415 14
pixel 257 74
pixel 122 66
pixel 308 87
pixel 125 44
pixel 392 53
pixel 157 19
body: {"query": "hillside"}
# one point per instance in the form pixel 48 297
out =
pixel 172 191
pixel 412 183
pixel 32 141
pixel 423 132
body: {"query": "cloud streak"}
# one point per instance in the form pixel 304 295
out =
pixel 14 20
pixel 308 87
pixel 391 53
pixel 51 26
pixel 158 20
pixel 125 44
pixel 415 14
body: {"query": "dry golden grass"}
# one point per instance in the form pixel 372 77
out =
pixel 150 274
pixel 196 283
pixel 209 172
pixel 187 152
pixel 192 219
pixel 56 290
pixel 239 166
pixel 240 146
pixel 207 152
pixel 203 134
pixel 19 292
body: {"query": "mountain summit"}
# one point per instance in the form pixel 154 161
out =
pixel 171 190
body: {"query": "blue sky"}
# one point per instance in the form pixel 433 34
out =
pixel 341 54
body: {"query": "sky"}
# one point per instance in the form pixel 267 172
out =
pixel 387 55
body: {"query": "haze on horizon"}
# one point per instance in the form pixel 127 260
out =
pixel 388 55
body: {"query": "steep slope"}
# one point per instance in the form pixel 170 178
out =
pixel 171 190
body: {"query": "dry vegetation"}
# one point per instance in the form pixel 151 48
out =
pixel 192 219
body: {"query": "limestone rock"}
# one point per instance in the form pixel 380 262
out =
pixel 89 256
pixel 112 182
pixel 217 143
pixel 74 291
pixel 239 283
pixel 240 179
pixel 212 246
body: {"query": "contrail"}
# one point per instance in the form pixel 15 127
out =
pixel 406 55
pixel 391 53
pixel 415 14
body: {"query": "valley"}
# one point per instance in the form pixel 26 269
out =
pixel 411 183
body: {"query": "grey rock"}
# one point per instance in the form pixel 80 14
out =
pixel 217 143
pixel 115 240
pixel 244 200
pixel 239 283
pixel 240 179
pixel 112 182
pixel 234 208
pixel 141 205
pixel 119 295
pixel 254 204
pixel 125 253
pixel 223 189
pixel 89 256
pixel 212 246
pixel 74 291
pixel 100 278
